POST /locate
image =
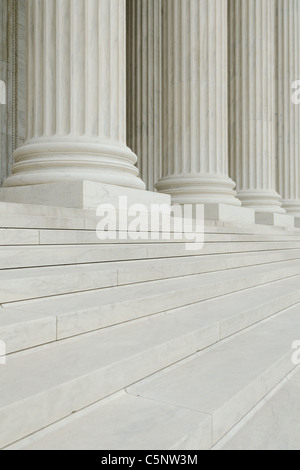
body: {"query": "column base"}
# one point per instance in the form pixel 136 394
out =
pixel 47 162
pixel 86 195
pixel 277 220
pixel 262 201
pixel 292 207
pixel 199 190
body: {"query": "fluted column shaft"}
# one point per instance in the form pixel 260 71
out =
pixel 144 86
pixel 76 113
pixel 288 70
pixel 195 108
pixel 252 103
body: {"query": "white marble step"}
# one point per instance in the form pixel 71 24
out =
pixel 125 422
pixel 17 209
pixel 35 325
pixel 16 237
pixel 35 256
pixel 29 210
pixel 273 425
pixel 88 311
pixel 228 380
pixel 70 375
pixel 194 402
pixel 73 237
pixel 47 217
pixel 21 331
pixel 155 269
pixel 33 283
pixel 174 250
pixel 42 222
pixel 19 237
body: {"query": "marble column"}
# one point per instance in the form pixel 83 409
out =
pixel 144 86
pixel 288 71
pixel 5 142
pixel 76 96
pixel 195 105
pixel 252 103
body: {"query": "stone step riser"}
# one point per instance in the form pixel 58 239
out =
pixel 72 219
pixel 104 316
pixel 136 272
pixel 250 397
pixel 11 238
pixel 90 237
pixel 228 380
pixel 24 331
pixel 13 210
pixel 61 401
pixel 148 261
pixel 41 282
pixel 18 421
pixel 32 256
pixel 277 418
pixel 60 236
pixel 99 315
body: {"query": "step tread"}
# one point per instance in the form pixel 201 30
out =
pixel 20 332
pixel 122 293
pixel 12 208
pixel 229 379
pixel 255 362
pixel 37 256
pixel 73 237
pixel 94 365
pixel 221 261
pixel 139 424
pixel 38 216
pixel 275 425
pixel 83 370
pixel 90 310
pixel 18 236
pixel 24 329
